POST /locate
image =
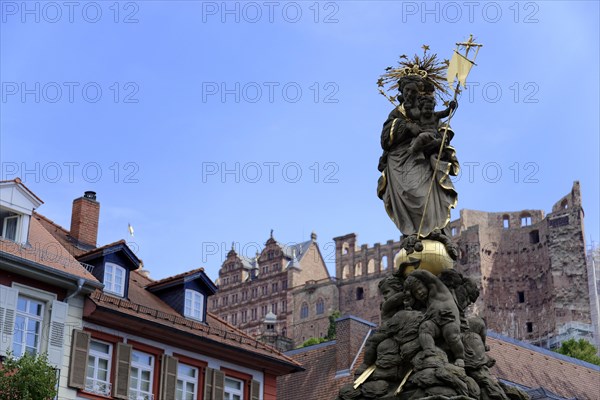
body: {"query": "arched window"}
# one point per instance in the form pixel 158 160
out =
pixel 371 266
pixel 346 272
pixel 384 262
pixel 304 310
pixel 320 306
pixel 358 269
pixel 564 204
pixel 345 248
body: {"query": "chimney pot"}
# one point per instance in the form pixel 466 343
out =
pixel 90 195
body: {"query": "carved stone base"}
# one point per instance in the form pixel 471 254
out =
pixel 426 348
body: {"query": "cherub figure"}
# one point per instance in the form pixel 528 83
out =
pixel 428 139
pixel 393 321
pixel 442 317
pixel 394 298
pixel 464 290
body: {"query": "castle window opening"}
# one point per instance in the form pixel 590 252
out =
pixel 529 327
pixel 525 220
pixel 534 236
pixel 505 222
pixel 521 296
pixel 360 293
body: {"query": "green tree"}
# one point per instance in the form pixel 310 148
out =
pixel 29 377
pixel 331 330
pixel 580 349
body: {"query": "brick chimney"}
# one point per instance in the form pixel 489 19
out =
pixel 351 333
pixel 84 219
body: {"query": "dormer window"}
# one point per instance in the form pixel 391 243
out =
pixel 194 305
pixel 114 279
pixel 16 207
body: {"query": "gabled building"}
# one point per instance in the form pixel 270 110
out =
pixel 110 330
pixel 42 286
pixel 155 340
pixel 250 290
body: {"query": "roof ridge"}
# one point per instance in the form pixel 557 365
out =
pixel 174 277
pixel 120 241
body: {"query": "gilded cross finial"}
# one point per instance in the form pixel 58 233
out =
pixel 468 44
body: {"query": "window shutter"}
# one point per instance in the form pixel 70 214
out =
pixel 121 387
pixel 168 378
pixel 8 306
pixel 219 385
pixel 255 390
pixel 56 339
pixel 79 355
pixel 208 383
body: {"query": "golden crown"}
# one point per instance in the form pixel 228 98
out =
pixel 427 66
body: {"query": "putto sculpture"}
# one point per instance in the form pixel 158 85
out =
pixel 426 347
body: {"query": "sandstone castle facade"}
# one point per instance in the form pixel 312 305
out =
pixel 536 284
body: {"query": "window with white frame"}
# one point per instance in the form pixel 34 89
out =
pixel 28 326
pixel 194 305
pixel 9 224
pixel 187 382
pixel 114 279
pixel 140 378
pixel 98 368
pixel 234 389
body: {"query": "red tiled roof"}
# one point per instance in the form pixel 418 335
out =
pixel 60 234
pixel 145 305
pixel 44 249
pixel 317 381
pixel 515 362
pixel 528 367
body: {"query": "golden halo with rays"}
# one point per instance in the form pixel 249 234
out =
pixel 428 66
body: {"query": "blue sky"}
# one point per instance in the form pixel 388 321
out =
pixel 207 123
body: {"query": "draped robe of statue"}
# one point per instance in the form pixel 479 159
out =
pixel 405 179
